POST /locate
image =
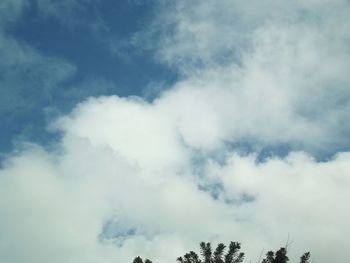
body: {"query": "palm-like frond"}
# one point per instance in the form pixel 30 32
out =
pixel 232 255
pixel 219 253
pixel 305 258
pixel 206 251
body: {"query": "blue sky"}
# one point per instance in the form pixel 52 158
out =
pixel 85 40
pixel 145 127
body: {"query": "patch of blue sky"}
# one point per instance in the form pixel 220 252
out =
pixel 84 49
pixel 217 192
pixel 264 152
pixel 92 54
pixel 89 44
pixel 116 233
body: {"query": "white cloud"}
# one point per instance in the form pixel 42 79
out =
pixel 270 72
pixel 126 130
pixel 123 181
pixel 203 32
pixel 55 205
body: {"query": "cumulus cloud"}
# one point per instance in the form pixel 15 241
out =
pixel 279 67
pixel 114 190
pixel 132 177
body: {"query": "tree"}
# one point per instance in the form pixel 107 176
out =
pixel 279 257
pixel 270 257
pixel 305 258
pixel 219 253
pixel 206 251
pixel 139 260
pixel 232 256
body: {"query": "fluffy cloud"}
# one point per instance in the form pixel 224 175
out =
pixel 131 177
pixel 203 32
pixel 96 199
pixel 276 76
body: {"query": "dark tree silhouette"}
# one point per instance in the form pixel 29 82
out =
pixel 206 251
pixel 305 258
pixel 281 257
pixel 219 253
pixel 232 256
pixel 139 260
pixel 270 257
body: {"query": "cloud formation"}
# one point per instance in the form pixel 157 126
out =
pixel 282 72
pixel 153 178
pixel 114 190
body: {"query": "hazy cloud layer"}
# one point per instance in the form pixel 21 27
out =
pixel 131 177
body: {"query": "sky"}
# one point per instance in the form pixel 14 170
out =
pixel 143 127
